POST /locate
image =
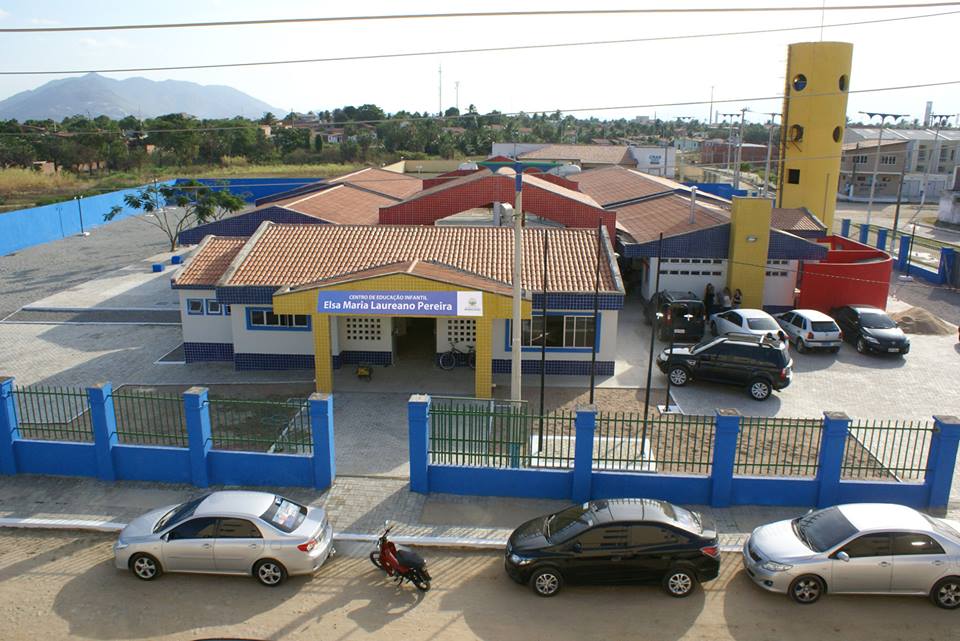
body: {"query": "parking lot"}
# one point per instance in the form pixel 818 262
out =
pixel 56 585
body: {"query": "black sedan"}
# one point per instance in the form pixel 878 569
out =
pixel 870 329
pixel 614 541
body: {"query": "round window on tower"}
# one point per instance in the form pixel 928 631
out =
pixel 837 134
pixel 843 82
pixel 799 82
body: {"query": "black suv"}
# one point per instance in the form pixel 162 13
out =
pixel 870 329
pixel 614 541
pixel 762 364
pixel 683 314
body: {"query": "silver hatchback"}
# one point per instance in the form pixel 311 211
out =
pixel 864 548
pixel 247 533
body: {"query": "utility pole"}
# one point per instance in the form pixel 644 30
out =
pixel 710 119
pixel 728 119
pixel 440 89
pixel 456 89
pixel 736 169
pixel 766 170
pixel 942 120
pixel 515 357
pixel 683 139
pixel 876 159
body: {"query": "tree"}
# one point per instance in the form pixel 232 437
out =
pixel 199 203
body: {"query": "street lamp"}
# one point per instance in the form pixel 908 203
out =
pixel 876 159
pixel 766 171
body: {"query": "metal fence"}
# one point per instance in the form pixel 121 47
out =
pixel 53 413
pixel 497 433
pixel 261 426
pixel 670 443
pixel 778 446
pixel 887 450
pixel 146 418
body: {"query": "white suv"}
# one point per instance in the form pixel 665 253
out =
pixel 810 329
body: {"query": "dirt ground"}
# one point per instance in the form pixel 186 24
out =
pixel 59 585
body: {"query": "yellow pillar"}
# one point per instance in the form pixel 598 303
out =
pixel 484 373
pixel 749 245
pixel 322 357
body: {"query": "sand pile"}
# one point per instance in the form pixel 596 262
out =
pixel 917 320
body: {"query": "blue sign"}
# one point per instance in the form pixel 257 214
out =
pixel 387 303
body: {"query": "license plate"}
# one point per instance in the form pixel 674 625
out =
pixel 893 349
pixel 679 331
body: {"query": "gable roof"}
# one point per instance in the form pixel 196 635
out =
pixel 616 184
pixel 342 204
pixel 382 181
pixel 599 154
pixel 796 220
pixel 669 214
pixel 213 256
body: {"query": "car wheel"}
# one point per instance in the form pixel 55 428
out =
pixel 679 376
pixel 807 589
pixel 946 593
pixel 269 572
pixel 713 328
pixel 145 567
pixel 546 582
pixel 760 389
pixel 801 346
pixel 679 582
pixel 861 345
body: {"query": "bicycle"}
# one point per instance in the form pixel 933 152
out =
pixel 449 359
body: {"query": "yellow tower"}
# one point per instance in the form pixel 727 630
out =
pixel 814 115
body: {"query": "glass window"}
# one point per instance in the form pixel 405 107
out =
pixel 284 514
pixel 651 535
pixel 267 318
pixel 763 324
pixel 195 306
pixel 869 545
pixel 734 318
pixel 788 317
pixel 179 513
pixel 201 528
pixel 567 524
pixel 604 538
pixel 562 331
pixel 798 321
pixel 824 326
pixel 822 529
pixel 227 310
pixel 257 317
pixel 876 321
pixel 793 176
pixel 238 529
pixel 213 307
pixel 578 331
pixel 915 543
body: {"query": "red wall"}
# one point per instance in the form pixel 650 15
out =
pixel 851 273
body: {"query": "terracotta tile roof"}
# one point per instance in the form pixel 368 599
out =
pixel 208 263
pixel 669 214
pixel 424 269
pixel 799 219
pixel 294 255
pixel 603 154
pixel 616 184
pixel 341 204
pixel 391 183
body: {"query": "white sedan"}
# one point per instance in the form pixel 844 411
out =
pixel 745 321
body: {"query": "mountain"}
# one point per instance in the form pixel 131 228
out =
pixel 94 94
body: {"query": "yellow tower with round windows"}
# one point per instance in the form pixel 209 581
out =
pixel 811 136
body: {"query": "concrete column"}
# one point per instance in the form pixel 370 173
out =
pixel 197 412
pixel 864 234
pixel 104 420
pixel 882 239
pixel 484 373
pixel 833 440
pixel 904 255
pixel 322 354
pixel 418 422
pixel 585 424
pixel 321 426
pixel 942 459
pixel 844 228
pixel 948 260
pixel 9 428
pixel 726 435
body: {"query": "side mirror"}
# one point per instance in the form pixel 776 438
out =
pixel 577 547
pixel 843 556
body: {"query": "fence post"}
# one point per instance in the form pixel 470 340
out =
pixel 418 421
pixel 585 425
pixel 726 435
pixel 9 429
pixel 903 257
pixel 845 227
pixel 197 411
pixel 833 440
pixel 948 260
pixel 321 426
pixel 104 419
pixel 882 239
pixel 942 459
pixel 864 233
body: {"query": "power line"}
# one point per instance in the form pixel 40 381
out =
pixel 445 52
pixel 476 14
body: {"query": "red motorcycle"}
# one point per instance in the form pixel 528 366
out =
pixel 402 565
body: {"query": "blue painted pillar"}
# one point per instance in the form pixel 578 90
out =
pixel 725 438
pixel 418 421
pixel 197 411
pixel 321 425
pixel 948 258
pixel 882 239
pixel 864 233
pixel 845 228
pixel 9 428
pixel 942 459
pixel 833 440
pixel 904 254
pixel 585 424
pixel 104 419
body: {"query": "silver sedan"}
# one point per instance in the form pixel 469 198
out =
pixel 865 548
pixel 246 533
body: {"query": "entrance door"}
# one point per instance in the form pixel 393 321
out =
pixel 416 339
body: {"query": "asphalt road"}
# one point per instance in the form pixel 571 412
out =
pixel 58 585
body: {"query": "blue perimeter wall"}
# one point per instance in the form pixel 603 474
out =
pixel 253 188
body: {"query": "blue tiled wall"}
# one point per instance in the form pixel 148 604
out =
pixel 560 368
pixel 273 361
pixel 577 301
pixel 200 352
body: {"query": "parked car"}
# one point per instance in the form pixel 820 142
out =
pixel 682 313
pixel 870 329
pixel 745 321
pixel 232 532
pixel 865 548
pixel 761 364
pixel 810 329
pixel 614 541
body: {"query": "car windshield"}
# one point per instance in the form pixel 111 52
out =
pixel 704 343
pixel 821 530
pixel 284 514
pixel 567 524
pixel 761 324
pixel 876 321
pixel 179 513
pixel 824 326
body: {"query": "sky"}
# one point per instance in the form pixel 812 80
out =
pixel 591 79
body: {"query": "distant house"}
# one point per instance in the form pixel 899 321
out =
pixel 651 159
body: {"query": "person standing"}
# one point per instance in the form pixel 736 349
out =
pixel 725 299
pixel 737 298
pixel 708 298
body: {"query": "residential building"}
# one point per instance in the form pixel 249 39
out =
pixel 659 160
